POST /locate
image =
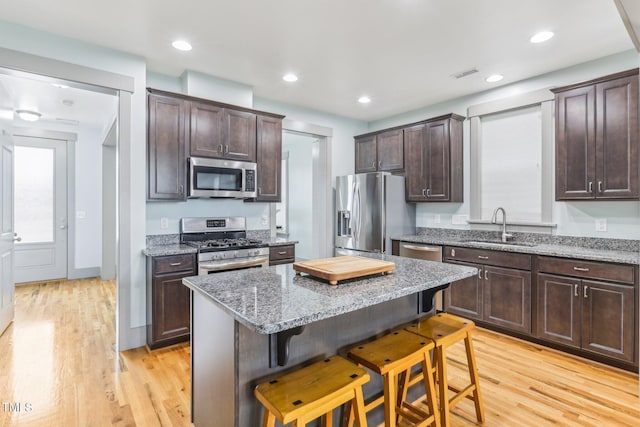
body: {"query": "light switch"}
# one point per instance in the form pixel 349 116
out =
pixel 601 224
pixel 164 223
pixel 436 219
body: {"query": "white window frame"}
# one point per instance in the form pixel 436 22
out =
pixel 545 99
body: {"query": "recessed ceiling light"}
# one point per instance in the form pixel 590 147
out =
pixel 290 77
pixel 364 100
pixel 494 78
pixel 540 37
pixel 182 45
pixel 28 115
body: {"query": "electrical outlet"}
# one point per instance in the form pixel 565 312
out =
pixel 436 219
pixel 459 219
pixel 164 223
pixel 601 224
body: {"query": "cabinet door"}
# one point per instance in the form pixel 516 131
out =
pixel 166 147
pixel 437 160
pixel 390 148
pixel 559 309
pixel 507 298
pixel 608 319
pixel 240 135
pixel 206 130
pixel 464 297
pixel 171 311
pixel 269 157
pixel 366 154
pixel 415 182
pixel 617 139
pixel 575 144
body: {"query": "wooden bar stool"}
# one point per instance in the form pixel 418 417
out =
pixel 390 356
pixel 314 391
pixel 445 330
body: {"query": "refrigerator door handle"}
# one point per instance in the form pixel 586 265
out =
pixel 355 221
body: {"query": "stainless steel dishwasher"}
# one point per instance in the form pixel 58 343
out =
pixel 425 252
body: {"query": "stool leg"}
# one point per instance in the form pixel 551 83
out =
pixel 358 408
pixel 430 389
pixel 473 375
pixel 269 419
pixel 443 387
pixel 327 419
pixel 390 398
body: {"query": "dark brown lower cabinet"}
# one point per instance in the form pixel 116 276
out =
pixel 590 315
pixel 499 295
pixel 282 254
pixel 168 300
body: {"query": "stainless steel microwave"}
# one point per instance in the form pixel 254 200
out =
pixel 221 178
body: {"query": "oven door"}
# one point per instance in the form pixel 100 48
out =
pixel 221 178
pixel 210 267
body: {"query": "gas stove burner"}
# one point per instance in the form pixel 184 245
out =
pixel 230 243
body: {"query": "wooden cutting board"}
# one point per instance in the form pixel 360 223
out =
pixel 343 267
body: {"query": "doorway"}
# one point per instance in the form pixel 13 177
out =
pixel 120 87
pixel 40 209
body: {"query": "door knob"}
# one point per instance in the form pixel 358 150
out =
pixel 16 238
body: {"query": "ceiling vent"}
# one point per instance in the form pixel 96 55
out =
pixel 465 73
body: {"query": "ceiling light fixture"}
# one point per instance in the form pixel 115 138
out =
pixel 540 37
pixel 182 45
pixel 59 86
pixel 494 78
pixel 290 78
pixel 364 100
pixel 28 115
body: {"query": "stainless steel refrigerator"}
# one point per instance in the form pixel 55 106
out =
pixel 370 210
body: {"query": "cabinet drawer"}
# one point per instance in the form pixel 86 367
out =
pixel 277 253
pixel 587 269
pixel 482 256
pixel 173 263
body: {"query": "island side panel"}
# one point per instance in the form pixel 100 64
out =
pixel 318 340
pixel 213 379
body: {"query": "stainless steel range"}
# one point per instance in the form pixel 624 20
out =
pixel 223 244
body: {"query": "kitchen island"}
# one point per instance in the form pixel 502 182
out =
pixel 251 325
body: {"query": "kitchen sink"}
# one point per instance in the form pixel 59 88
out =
pixel 500 243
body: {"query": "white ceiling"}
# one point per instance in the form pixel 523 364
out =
pixel 402 53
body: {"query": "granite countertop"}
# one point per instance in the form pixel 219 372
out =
pixel 623 254
pixel 274 299
pixel 169 244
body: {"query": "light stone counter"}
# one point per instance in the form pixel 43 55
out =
pixel 274 299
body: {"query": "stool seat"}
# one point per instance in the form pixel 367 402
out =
pixel 390 356
pixel 445 330
pixel 313 391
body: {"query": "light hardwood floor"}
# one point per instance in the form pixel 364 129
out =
pixel 58 367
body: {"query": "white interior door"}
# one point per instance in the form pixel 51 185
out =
pixel 40 209
pixel 6 230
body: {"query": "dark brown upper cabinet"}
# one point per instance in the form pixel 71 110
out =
pixel 433 153
pixel 269 145
pixel 180 125
pixel 222 133
pixel 167 134
pixel 597 139
pixel 383 151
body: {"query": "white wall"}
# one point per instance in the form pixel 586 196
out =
pixel 572 218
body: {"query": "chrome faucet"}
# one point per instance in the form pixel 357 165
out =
pixel 494 220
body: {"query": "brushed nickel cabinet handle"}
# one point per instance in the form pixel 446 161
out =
pixel 486 275
pixel 480 274
pixel 599 186
pixel 282 252
pixel 428 192
pixel 379 163
pixel 221 149
pixel 453 252
pixel 373 164
pixel 586 288
pixel 590 186
pixel 580 269
pixel 483 257
pixel 575 290
pixel 424 192
pixel 175 264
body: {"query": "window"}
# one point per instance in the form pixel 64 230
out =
pixel 511 159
